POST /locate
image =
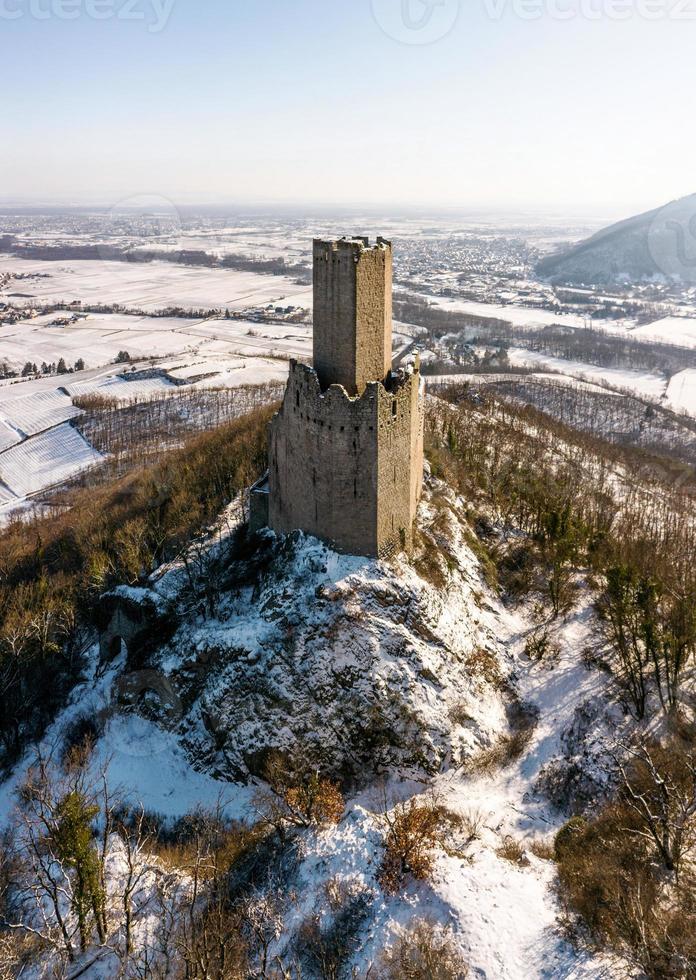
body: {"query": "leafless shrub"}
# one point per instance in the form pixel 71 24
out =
pixel 473 823
pixel 423 952
pixel 540 646
pixel 484 664
pixel 659 788
pixel 625 873
pixel 511 850
pixel 429 562
pixel 414 829
pixel 328 942
pixel 543 849
pixel 506 750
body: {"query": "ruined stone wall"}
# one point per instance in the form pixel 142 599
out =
pixel 374 314
pixel 323 464
pixel 400 461
pixel 352 312
pixel 342 468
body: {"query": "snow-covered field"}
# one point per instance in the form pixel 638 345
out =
pixel 681 392
pixel 45 461
pixel 670 329
pixel 147 286
pixel 677 330
pixel 216 353
pixel 37 411
pixel 641 382
pixel 98 338
pixel 520 316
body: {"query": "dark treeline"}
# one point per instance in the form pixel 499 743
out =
pixel 590 345
pixel 595 346
pixel 114 253
pixel 439 322
pixel 53 570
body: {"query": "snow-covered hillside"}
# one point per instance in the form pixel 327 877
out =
pixel 407 680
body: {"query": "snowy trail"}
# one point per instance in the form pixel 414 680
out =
pixel 507 912
pixel 556 688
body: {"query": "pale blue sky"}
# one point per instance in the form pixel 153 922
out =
pixel 310 101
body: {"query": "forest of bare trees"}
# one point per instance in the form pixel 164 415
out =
pixel 146 427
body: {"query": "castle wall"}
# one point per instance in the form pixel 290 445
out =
pixel 323 464
pixel 341 468
pixel 400 461
pixel 373 315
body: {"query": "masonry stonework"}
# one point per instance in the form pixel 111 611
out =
pixel 346 447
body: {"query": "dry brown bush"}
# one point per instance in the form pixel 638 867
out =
pixel 317 801
pixel 424 952
pixel 429 563
pixel 507 749
pixel 414 829
pixel 511 850
pixel 459 714
pixel 484 664
pixel 543 849
pixel 298 796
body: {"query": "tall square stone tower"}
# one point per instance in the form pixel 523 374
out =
pixel 352 312
pixel 346 447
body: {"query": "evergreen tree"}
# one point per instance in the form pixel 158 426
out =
pixel 73 841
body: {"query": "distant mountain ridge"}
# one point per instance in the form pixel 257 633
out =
pixel 657 244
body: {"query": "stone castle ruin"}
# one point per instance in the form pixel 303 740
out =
pixel 346 447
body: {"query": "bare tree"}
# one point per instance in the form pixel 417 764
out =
pixel 660 789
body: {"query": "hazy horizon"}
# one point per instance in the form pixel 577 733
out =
pixel 492 105
pixel 323 209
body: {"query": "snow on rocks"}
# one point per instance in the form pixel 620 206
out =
pixel 364 664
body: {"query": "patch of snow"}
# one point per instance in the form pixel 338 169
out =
pixel 642 382
pixel 681 391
